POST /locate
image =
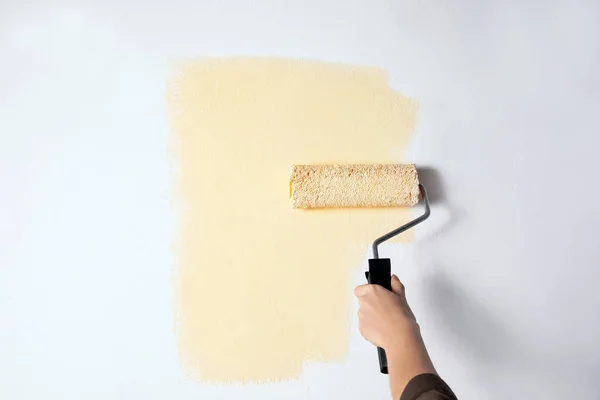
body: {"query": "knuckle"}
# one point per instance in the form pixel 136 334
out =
pixel 378 289
pixel 362 330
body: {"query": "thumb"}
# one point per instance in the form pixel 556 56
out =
pixel 397 286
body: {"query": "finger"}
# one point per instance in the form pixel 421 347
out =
pixel 362 290
pixel 362 331
pixel 397 286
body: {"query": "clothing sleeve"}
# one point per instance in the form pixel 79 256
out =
pixel 427 387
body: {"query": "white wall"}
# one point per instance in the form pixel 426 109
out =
pixel 504 276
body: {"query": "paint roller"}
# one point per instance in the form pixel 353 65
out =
pixel 361 185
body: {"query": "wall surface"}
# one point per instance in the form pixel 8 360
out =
pixel 503 277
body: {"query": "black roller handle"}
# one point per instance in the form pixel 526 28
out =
pixel 380 273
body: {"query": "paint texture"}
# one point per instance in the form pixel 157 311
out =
pixel 261 287
pixel 352 185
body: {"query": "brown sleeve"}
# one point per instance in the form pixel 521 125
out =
pixel 427 387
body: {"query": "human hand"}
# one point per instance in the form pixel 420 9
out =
pixel 383 315
pixel 386 320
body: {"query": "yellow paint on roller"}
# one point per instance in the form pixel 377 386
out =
pixel 378 185
pixel 262 288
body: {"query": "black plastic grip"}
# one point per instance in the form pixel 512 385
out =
pixel 380 273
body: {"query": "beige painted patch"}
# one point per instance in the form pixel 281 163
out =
pixel 261 287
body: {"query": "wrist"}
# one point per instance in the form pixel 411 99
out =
pixel 402 335
pixel 408 352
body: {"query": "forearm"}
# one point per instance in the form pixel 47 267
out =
pixel 407 357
